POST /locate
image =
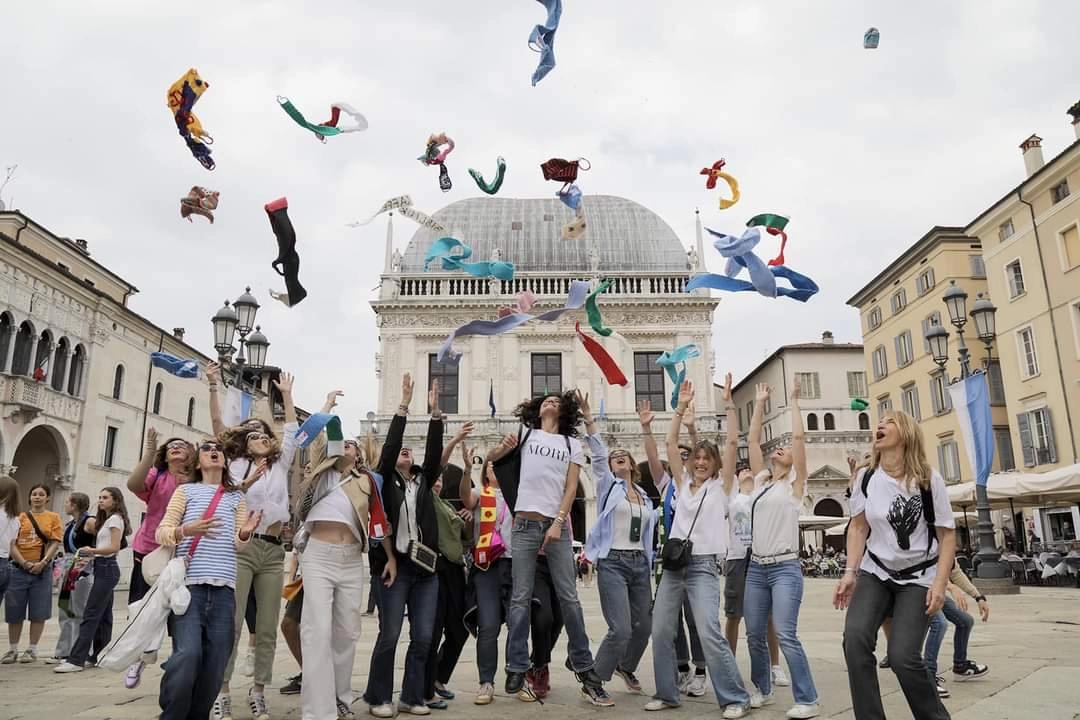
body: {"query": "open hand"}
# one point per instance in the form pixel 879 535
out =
pixel 725 390
pixel 202 526
pixel 256 472
pixel 686 394
pixel 151 438
pixel 433 397
pixel 583 404
pixel 284 383
pixel 253 521
pixel 762 391
pixel 510 441
pixel 213 372
pixel 688 418
pixel 644 412
pixel 463 433
pixel 844 590
pixel 331 398
pixel 406 389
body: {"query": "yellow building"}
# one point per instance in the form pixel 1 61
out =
pixel 896 308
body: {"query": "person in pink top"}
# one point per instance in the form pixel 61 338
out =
pixel 153 481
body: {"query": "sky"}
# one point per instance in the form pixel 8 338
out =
pixel 865 150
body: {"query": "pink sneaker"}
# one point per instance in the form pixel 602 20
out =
pixel 134 675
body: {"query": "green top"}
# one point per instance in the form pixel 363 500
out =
pixel 451 527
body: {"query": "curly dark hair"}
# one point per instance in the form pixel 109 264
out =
pixel 569 412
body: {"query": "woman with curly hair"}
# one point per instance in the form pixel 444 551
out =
pixel 551 461
pixel 262 462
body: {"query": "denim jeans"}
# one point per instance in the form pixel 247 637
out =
pixel 688 650
pixel 97 621
pixel 870 604
pixel 777 590
pixel 419 592
pixel 492 587
pixel 526 541
pixel 202 643
pixel 5 575
pixel 964 624
pixel 625 599
pixel 700 583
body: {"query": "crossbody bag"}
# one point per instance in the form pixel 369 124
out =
pixel 677 551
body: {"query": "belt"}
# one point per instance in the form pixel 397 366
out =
pixel 626 552
pixel 773 559
pixel 267 538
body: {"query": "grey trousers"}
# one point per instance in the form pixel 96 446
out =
pixel 872 601
pixel 69 626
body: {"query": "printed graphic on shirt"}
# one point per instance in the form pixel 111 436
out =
pixel 904 516
pixel 739 510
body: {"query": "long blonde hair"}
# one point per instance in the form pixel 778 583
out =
pixel 916 467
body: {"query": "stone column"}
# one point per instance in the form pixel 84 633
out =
pixel 67 370
pixel 49 374
pixel 33 354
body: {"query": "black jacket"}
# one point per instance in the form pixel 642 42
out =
pixel 393 489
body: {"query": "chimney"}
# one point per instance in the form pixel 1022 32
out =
pixel 1075 112
pixel 826 338
pixel 81 244
pixel 1033 157
pixel 178 333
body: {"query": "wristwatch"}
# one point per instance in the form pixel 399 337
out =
pixel 980 598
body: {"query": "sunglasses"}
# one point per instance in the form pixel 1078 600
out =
pixel 210 447
pixel 684 455
pixel 178 444
pixel 258 435
pixel 618 456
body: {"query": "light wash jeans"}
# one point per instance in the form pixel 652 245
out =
pixel 700 583
pixel 964 623
pixel 777 590
pixel 625 599
pixel 526 541
pixel 69 626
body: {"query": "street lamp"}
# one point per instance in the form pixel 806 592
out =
pixel 937 337
pixel 239 319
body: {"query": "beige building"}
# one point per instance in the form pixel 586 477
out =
pixel 77 390
pixel 832 375
pixel 896 308
pixel 1031 246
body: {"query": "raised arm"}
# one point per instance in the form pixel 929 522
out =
pixel 331 401
pixel 396 432
pixel 675 461
pixel 284 384
pixel 652 455
pixel 757 460
pixel 731 442
pixel 434 447
pixel 458 439
pixel 689 420
pixel 798 441
pixel 213 378
pixel 598 451
pixel 136 481
pixel 465 486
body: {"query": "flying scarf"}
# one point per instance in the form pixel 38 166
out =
pixel 603 360
pixel 593 312
pixel 492 187
pixel 403 204
pixel 199 201
pixel 287 263
pixel 579 290
pixel 174 365
pixel 740 254
pixel 438 147
pixel 858 404
pixel 331 127
pixel 525 301
pixel 570 196
pixel 542 39
pixel 443 248
pixel 715 172
pixel 181 98
pixel 674 363
pixel 774 224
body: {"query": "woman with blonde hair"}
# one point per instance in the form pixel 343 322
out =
pixel 900 549
pixel 10 509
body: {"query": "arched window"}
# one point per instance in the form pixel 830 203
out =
pixel 20 364
pixel 118 382
pixel 191 412
pixel 811 422
pixel 60 361
pixel 7 329
pixel 830 421
pixel 158 390
pixel 78 360
pixel 42 356
pixel 864 421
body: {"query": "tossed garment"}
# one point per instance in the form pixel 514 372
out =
pixel 148 618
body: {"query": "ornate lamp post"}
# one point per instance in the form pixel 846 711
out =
pixel 990 565
pixel 239 319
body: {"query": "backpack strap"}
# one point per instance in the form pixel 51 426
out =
pixel 928 513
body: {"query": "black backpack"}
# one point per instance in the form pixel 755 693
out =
pixel 908 573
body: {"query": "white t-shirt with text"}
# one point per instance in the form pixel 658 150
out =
pixel 545 462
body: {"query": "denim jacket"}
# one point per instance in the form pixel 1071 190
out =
pixel 610 491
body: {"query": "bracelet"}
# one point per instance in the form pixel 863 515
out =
pixel 980 598
pixel 851 570
pixel 213 388
pixel 403 408
pixel 558 521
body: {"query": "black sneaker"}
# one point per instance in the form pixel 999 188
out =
pixel 293 686
pixel 514 682
pixel 596 694
pixel 942 691
pixel 884 662
pixel 633 685
pixel 969 671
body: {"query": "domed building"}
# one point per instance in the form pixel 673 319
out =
pixel 646 305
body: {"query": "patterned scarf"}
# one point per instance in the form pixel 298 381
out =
pixel 483 552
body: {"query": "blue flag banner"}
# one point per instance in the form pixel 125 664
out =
pixel 237 406
pixel 971 400
pixel 313 426
pixel 174 365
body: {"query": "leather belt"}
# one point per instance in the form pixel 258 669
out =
pixel 268 538
pixel 773 559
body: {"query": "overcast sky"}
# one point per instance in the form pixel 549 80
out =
pixel 865 150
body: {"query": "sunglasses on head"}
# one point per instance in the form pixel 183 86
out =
pixel 212 446
pixel 175 444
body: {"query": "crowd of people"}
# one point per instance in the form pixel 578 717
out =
pixel 490 553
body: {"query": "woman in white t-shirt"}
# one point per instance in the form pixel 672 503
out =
pixel 112 526
pixel 774 580
pixel 895 561
pixel 10 510
pixel 700 518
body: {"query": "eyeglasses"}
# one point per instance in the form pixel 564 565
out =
pixel 257 435
pixel 178 444
pixel 684 455
pixel 353 443
pixel 211 446
pixel 618 456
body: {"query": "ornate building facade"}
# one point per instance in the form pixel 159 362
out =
pixel 646 305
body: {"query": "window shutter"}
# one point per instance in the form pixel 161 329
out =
pixel 1023 424
pixel 941 461
pixel 1050 447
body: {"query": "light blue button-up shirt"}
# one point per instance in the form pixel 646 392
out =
pixel 599 541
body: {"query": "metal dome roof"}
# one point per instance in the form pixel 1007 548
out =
pixel 627 236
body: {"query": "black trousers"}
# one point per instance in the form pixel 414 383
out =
pixel 546 616
pixel 95 630
pixel 872 601
pixel 443 657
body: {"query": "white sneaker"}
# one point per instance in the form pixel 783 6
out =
pixel 697 686
pixel 759 699
pixel 54 660
pixel 28 656
pixel 257 704
pixel 386 710
pixel 485 694
pixel 658 704
pixel 683 680
pixel 804 711
pixel 66 667
pixel 779 677
pixel 413 709
pixel 735 711
pixel 222 709
pixel 249 663
pixel 9 657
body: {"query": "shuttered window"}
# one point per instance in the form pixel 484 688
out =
pixel 1037 437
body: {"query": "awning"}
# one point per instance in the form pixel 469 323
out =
pixel 1055 487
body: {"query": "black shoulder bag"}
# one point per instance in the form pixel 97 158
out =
pixel 677 551
pixel 37 529
pixel 508 471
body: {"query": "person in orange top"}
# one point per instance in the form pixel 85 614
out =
pixel 30 591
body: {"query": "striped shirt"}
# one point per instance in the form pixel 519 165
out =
pixel 214 562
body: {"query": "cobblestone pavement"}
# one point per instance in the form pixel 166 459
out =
pixel 1030 644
